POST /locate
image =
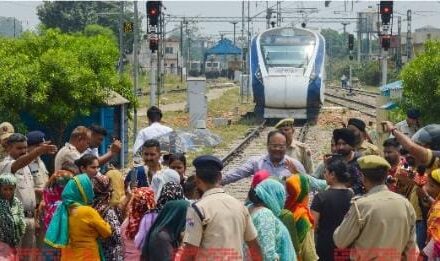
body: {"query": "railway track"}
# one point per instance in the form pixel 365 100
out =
pixel 357 105
pixel 254 144
pixel 366 93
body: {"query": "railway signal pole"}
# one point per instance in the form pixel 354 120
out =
pixel 386 14
pixel 154 31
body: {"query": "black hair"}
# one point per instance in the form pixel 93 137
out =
pixel 391 142
pixel 98 129
pixel 85 160
pixel 154 114
pixel 178 156
pixel 209 176
pixel 273 133
pixel 70 166
pixel 189 187
pixel 338 166
pixel 16 138
pixel 376 175
pixel 252 196
pixel 151 143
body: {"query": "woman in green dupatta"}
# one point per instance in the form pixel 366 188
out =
pixel 268 199
pixel 12 225
pixel 75 226
pixel 165 235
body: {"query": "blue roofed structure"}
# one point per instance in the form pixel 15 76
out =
pixel 223 47
pixel 395 86
pixel 393 91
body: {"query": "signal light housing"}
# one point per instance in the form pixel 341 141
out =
pixel 350 42
pixel 386 10
pixel 154 44
pixel 386 42
pixel 154 11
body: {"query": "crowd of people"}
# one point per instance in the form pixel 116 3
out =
pixel 359 202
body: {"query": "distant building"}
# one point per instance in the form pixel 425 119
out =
pixel 10 26
pixel 419 37
pixel 173 57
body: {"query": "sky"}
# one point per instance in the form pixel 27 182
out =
pixel 424 12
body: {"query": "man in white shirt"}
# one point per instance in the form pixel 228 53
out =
pixel 154 130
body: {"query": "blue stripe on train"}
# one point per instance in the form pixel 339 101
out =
pixel 257 85
pixel 314 88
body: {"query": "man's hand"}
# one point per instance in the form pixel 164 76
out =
pixel 47 148
pixel 115 148
pixel 291 166
pixel 387 126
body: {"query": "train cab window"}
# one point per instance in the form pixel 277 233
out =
pixel 287 48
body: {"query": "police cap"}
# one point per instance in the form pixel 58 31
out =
pixel 413 113
pixel 285 123
pixel 208 162
pixel 35 137
pixel 373 162
pixel 6 130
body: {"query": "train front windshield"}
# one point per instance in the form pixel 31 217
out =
pixel 292 48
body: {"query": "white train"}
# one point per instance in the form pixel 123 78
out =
pixel 287 72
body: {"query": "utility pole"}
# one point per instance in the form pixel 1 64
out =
pixel 121 37
pixel 135 63
pixel 344 25
pixel 278 13
pixel 243 64
pixel 188 43
pixel 408 36
pixel 161 56
pixel 234 23
pixel 248 34
pixel 399 48
pixel 181 49
pixel 359 36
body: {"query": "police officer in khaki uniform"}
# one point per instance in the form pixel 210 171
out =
pixel 37 166
pixel 295 149
pixel 363 146
pixel 17 162
pixel 78 143
pixel 6 130
pixel 217 225
pixel 379 225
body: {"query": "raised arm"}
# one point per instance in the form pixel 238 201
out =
pixel 420 153
pixel 243 171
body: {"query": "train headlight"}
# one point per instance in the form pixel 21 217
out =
pixel 259 76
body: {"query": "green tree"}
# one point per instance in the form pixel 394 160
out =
pixel 336 43
pixel 74 16
pixel 421 82
pixel 56 77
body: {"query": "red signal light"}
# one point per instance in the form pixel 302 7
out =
pixel 386 7
pixel 152 12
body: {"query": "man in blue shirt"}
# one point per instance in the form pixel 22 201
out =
pixel 275 161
